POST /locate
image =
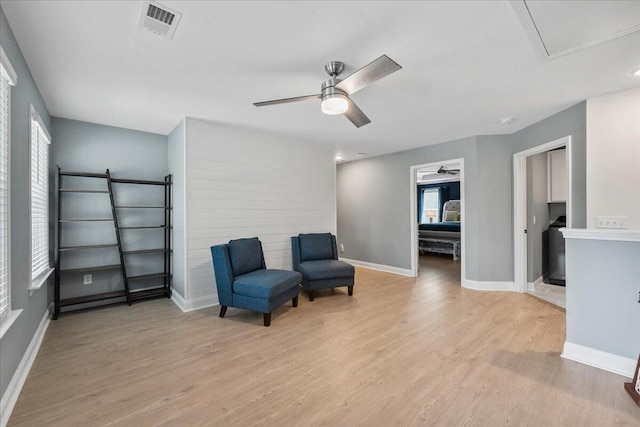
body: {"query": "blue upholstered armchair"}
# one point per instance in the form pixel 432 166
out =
pixel 315 255
pixel 243 280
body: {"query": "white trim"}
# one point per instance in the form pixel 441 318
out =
pixel 380 267
pixel 36 118
pixel 591 234
pixel 520 204
pixel 7 321
pixel 193 304
pixel 521 11
pixel 40 280
pixel 7 68
pixel 533 286
pixel 413 221
pixel 9 169
pixel 478 285
pixel 599 359
pixel 10 396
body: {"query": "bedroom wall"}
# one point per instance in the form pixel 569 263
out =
pixel 15 342
pixel 90 147
pixel 452 193
pixel 243 184
pixel 536 207
pixel 613 144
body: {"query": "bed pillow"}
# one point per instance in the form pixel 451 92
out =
pixel 450 216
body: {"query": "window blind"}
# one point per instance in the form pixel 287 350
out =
pixel 4 194
pixel 39 197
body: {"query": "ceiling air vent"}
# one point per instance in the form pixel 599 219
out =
pixel 159 19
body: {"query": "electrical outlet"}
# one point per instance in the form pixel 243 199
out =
pixel 87 279
pixel 611 222
pixel 341 247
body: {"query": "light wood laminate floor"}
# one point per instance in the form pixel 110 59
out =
pixel 400 352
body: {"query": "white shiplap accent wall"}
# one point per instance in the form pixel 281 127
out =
pixel 242 184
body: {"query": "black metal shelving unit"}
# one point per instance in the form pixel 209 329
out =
pixel 155 284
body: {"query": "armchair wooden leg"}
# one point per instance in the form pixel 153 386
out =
pixel 312 294
pixel 267 319
pixel 223 310
pixel 295 301
pixel 350 288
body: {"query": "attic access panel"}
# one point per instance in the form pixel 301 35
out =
pixel 556 28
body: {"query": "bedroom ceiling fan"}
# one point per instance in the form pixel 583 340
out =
pixel 334 93
pixel 442 171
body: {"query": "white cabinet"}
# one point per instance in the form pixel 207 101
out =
pixel 557 176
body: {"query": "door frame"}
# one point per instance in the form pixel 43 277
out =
pixel 520 204
pixel 413 185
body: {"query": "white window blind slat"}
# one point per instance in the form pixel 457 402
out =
pixel 39 197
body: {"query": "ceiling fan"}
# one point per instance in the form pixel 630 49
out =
pixel 335 93
pixel 441 171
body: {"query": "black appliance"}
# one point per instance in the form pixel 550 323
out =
pixel 553 253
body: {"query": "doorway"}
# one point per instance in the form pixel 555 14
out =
pixel 524 219
pixel 450 165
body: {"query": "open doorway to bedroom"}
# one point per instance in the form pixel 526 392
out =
pixel 437 205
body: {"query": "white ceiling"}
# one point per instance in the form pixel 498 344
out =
pixel 466 66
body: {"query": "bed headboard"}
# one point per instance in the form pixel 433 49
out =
pixel 451 210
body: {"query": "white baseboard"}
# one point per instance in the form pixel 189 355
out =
pixel 533 286
pixel 599 359
pixel 489 286
pixel 193 304
pixel 379 267
pixel 10 396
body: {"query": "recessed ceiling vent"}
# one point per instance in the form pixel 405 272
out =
pixel 159 19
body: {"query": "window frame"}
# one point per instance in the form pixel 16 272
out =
pixel 8 73
pixel 41 278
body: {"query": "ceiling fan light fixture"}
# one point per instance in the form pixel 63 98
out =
pixel 335 103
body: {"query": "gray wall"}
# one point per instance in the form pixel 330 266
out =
pixel 536 206
pixel 571 121
pixel 373 196
pixel 176 163
pixel 16 340
pixel 88 147
pixel 602 295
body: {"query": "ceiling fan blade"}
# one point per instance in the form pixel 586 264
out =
pixel 368 74
pixel 286 100
pixel 355 115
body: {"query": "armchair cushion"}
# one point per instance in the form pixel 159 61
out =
pixel 266 283
pixel 316 246
pixel 325 269
pixel 245 255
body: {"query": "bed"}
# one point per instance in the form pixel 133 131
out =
pixel 442 237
